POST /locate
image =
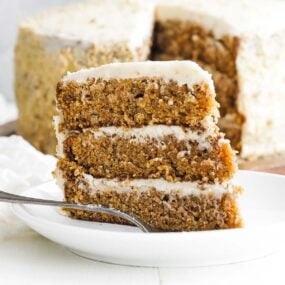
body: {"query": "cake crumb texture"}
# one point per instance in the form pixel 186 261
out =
pixel 174 160
pixel 161 211
pixel 132 103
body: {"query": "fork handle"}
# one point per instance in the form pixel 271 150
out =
pixel 18 199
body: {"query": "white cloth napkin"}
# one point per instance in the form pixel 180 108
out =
pixel 21 167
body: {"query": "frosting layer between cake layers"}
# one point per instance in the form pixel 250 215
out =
pixel 161 185
pixel 196 188
pixel 206 131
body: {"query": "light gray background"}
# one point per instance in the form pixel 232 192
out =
pixel 11 12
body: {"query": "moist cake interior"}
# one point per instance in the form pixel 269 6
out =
pixel 184 40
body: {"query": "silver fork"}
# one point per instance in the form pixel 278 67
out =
pixel 17 199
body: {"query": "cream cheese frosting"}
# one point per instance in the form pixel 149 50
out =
pixel 158 132
pixel 154 131
pixel 182 72
pixel 223 17
pixel 203 138
pixel 96 22
pixel 161 185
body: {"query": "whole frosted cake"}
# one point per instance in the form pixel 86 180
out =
pixel 142 138
pixel 233 40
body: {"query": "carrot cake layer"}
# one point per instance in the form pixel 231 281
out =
pixel 167 206
pixel 155 151
pixel 134 95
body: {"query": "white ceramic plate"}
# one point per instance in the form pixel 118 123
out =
pixel 262 205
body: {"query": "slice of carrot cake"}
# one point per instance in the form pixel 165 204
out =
pixel 142 138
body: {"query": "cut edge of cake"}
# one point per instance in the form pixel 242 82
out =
pixel 255 125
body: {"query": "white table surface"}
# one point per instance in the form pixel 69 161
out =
pixel 31 259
